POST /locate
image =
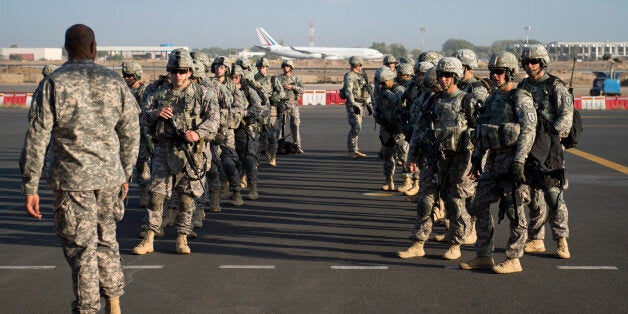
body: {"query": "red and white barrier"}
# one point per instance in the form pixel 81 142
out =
pixel 16 99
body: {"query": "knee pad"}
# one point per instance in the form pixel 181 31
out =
pixel 186 203
pixel 156 201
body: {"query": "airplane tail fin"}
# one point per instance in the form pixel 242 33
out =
pixel 265 39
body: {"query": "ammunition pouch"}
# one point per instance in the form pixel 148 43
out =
pixel 492 136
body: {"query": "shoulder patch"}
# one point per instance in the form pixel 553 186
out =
pixel 532 117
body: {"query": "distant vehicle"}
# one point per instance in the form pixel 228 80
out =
pixel 604 84
pixel 270 45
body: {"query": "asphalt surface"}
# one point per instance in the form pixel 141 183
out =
pixel 318 214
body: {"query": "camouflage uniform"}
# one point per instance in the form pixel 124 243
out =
pixel 96 140
pixel 357 94
pixel 473 85
pixel 273 91
pixel 288 106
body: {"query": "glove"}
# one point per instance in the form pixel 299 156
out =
pixel 476 165
pixel 517 171
pixel 356 109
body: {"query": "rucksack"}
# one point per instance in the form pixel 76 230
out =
pixel 342 94
pixel 574 133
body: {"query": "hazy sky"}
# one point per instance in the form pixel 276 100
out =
pixel 346 23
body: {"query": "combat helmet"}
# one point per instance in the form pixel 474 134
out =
pixel 467 57
pixel 504 60
pixel 355 61
pixel 221 60
pixel 48 69
pixel 430 56
pixel 198 69
pixel 403 60
pixel 452 65
pixel 422 67
pixel 405 69
pixel 243 63
pixel 535 52
pixel 132 68
pixel 430 80
pixel 386 75
pixel 179 58
pixel 202 58
pixel 287 62
pixel 389 59
pixel 262 62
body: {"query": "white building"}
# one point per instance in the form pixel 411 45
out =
pixel 31 54
pixel 148 52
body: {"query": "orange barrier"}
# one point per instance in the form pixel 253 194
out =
pixel 15 99
pixel 333 98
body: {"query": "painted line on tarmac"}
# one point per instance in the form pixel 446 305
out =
pixel 246 266
pixel 359 267
pixel 143 267
pixel 599 160
pixel 27 267
pixel 587 267
pixel 381 194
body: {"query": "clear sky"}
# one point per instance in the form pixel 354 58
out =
pixel 345 23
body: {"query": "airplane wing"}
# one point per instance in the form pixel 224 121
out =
pixel 301 50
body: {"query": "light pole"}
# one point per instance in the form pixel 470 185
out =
pixel 422 30
pixel 527 30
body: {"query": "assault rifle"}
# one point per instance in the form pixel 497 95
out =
pixel 573 69
pixel 182 145
pixel 369 89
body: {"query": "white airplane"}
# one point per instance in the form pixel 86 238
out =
pixel 270 45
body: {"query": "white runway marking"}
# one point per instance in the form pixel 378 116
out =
pixel 587 267
pixel 246 266
pixel 27 267
pixel 359 267
pixel 143 267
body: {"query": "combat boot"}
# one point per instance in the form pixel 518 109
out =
pixel 479 262
pixel 453 252
pixel 443 237
pixel 299 150
pixel 416 250
pixel 472 237
pixel 534 246
pixel 407 184
pixel 112 305
pixel 214 204
pixel 272 161
pixel 224 190
pixel 197 218
pixel 146 246
pixel 414 190
pixel 243 183
pixel 509 266
pixel 253 191
pixel 356 154
pixel 562 249
pixel 237 199
pixel 182 244
pixel 144 196
pixel 169 219
pixel 390 185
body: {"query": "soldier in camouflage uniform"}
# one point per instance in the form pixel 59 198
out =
pixel 93 118
pixel 390 132
pixel 358 94
pixel 288 106
pixel 273 91
pixel 553 103
pixel 444 149
pixel 405 79
pixel 506 130
pixel 471 83
pixel 184 116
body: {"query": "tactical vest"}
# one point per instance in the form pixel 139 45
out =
pixel 186 111
pixel 449 121
pixel 291 94
pixel 359 92
pixel 544 96
pixel 497 126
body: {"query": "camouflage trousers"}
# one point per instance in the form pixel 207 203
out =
pixel 392 152
pixel 549 206
pixel 247 143
pixel 183 223
pixel 84 222
pixel 355 124
pixel 267 139
pixel 292 114
pixel 142 166
pixel 492 191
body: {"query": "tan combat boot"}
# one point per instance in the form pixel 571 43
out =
pixel 273 160
pixel 182 244
pixel 214 204
pixel 144 196
pixel 414 190
pixel 113 305
pixel 479 262
pixel 253 191
pixel 443 237
pixel 224 190
pixel 407 184
pixel 562 249
pixel 169 219
pixel 453 252
pixel 472 237
pixel 390 185
pixel 237 199
pixel 534 246
pixel 243 183
pixel 356 154
pixel 146 246
pixel 416 250
pixel 509 266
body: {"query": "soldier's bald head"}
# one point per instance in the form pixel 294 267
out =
pixel 80 42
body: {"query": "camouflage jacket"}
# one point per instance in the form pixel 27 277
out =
pixel 92 117
pixel 355 88
pixel 296 89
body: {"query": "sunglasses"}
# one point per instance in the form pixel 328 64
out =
pixel 498 71
pixel 179 71
pixel 127 75
pixel 531 61
pixel 446 74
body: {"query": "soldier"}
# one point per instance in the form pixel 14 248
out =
pixel 132 74
pixel 444 155
pixel 247 134
pixel 289 106
pixel 471 83
pixel 404 79
pixel 93 119
pixel 554 107
pixel 505 130
pixel 429 56
pixel 184 117
pixel 358 94
pixel 272 89
pixel 390 132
